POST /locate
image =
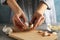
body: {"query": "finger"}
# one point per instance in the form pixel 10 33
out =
pixel 18 20
pixel 41 21
pixel 24 18
pixel 13 20
pixel 17 25
pixel 21 23
pixel 22 28
pixel 33 19
pixel 38 22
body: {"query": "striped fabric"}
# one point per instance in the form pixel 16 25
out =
pixel 29 6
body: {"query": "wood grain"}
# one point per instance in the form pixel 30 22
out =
pixel 31 35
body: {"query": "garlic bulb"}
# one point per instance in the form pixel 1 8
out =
pixel 7 30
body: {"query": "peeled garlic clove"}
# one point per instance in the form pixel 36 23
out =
pixel 27 23
pixel 31 26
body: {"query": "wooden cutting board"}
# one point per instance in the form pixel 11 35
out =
pixel 31 35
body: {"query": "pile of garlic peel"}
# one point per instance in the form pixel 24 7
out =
pixel 54 27
pixel 45 33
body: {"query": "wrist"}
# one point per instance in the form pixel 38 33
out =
pixel 38 12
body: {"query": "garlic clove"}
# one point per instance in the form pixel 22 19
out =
pixel 27 24
pixel 31 26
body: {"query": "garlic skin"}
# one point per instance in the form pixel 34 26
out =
pixel 27 25
pixel 54 33
pixel 46 34
pixel 40 31
pixel 7 30
pixel 49 27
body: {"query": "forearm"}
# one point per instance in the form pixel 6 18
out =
pixel 14 6
pixel 41 8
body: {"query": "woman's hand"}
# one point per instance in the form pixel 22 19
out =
pixel 19 20
pixel 37 19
